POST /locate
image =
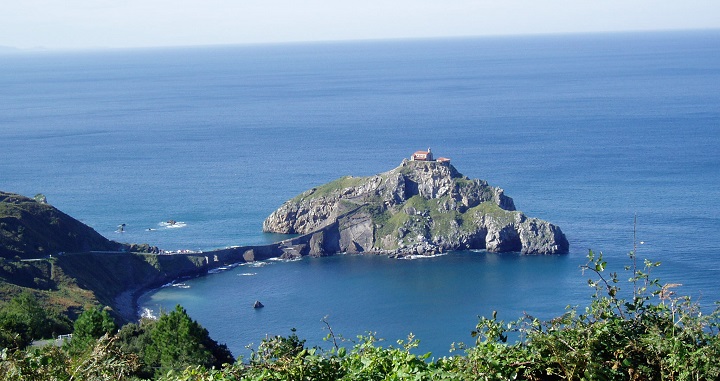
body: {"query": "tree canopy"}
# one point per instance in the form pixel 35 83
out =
pixel 179 341
pixel 23 319
pixel 643 332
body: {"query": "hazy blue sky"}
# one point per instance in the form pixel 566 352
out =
pixel 140 23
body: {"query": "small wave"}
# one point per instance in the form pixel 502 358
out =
pixel 181 251
pixel 247 274
pixel 180 285
pixel 411 257
pixel 172 224
pixel 147 313
pixel 219 269
pixel 278 259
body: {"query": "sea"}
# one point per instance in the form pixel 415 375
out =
pixel 613 137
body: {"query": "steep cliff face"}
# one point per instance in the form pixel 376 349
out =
pixel 416 208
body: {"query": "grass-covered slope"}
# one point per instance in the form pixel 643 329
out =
pixel 31 228
pixel 71 281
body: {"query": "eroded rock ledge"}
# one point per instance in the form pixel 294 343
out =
pixel 418 208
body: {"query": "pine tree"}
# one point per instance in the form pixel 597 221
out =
pixel 178 341
pixel 91 325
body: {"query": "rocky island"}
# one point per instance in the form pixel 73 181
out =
pixel 422 207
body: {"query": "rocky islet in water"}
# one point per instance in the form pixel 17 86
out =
pixel 422 207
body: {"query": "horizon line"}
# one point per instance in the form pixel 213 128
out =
pixel 42 49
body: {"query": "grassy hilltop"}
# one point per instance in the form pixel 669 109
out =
pixel 32 228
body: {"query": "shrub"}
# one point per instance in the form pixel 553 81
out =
pixel 643 333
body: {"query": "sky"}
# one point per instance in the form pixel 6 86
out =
pixel 90 24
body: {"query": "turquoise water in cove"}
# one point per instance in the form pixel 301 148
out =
pixel 585 131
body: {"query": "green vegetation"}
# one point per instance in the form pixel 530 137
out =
pixel 31 228
pixel 68 266
pixel 34 274
pixel 430 218
pixel 71 282
pixel 101 361
pixel 172 343
pixel 23 319
pixel 331 187
pixel 490 210
pixel 178 342
pixel 388 224
pixel 391 223
pixel 150 349
pixel 91 325
pixel 643 333
pixel 46 281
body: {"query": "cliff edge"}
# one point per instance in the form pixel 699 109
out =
pixel 418 208
pixel 32 228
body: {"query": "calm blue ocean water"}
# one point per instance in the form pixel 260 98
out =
pixel 585 131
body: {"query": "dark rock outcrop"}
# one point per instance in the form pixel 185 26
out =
pixel 417 208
